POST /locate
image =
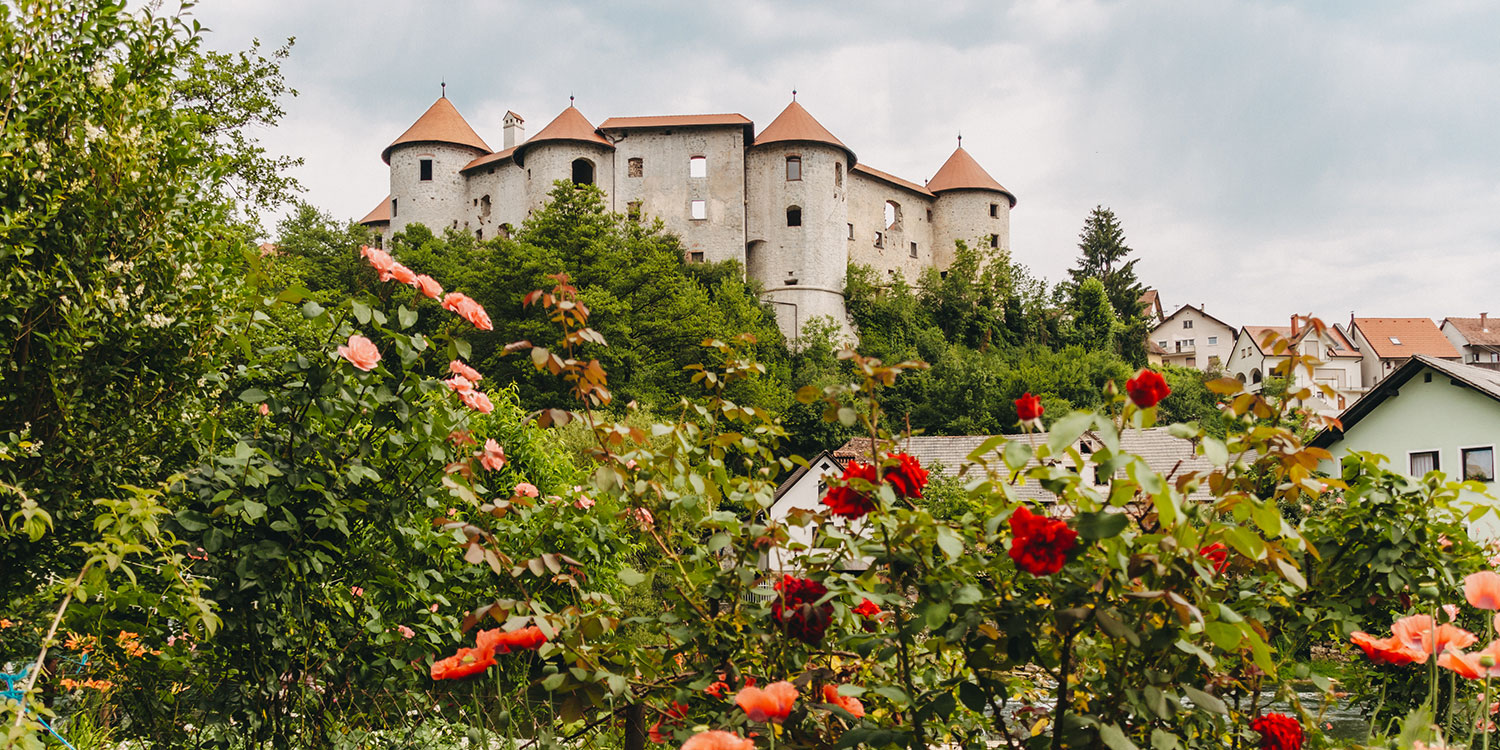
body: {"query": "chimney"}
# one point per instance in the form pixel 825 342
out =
pixel 1294 326
pixel 515 129
pixel 1483 322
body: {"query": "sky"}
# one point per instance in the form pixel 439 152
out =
pixel 1263 158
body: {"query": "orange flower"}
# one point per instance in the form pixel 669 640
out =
pixel 464 663
pixel 1482 589
pixel 717 740
pixel 772 704
pixel 717 689
pixel 1418 633
pixel 476 400
pixel 466 308
pixel 1387 650
pixel 428 286
pixel 1473 666
pixel 4 623
pixel 847 702
pixel 516 640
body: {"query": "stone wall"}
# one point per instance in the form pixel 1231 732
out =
pixel 966 215
pixel 868 196
pixel 437 203
pixel 550 161
pixel 665 189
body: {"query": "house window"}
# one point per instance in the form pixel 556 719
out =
pixel 913 249
pixel 1162 343
pixel 994 210
pixel 1187 324
pixel 633 210
pixel 793 216
pixel 1423 462
pixel 929 215
pixel 1192 361
pixel 698 166
pixel 838 174
pixel 879 239
pixel 424 167
pixel 695 256
pixel 636 167
pixel 700 210
pixel 1479 464
pixel 1213 340
pixel 793 168
pixel 994 240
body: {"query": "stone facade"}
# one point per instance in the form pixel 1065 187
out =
pixel 792 205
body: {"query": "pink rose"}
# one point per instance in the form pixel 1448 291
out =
pixel 264 410
pixel 459 384
pixel 468 309
pixel 380 260
pixel 433 608
pixel 403 274
pixel 645 518
pixel 477 401
pixel 464 371
pixel 493 456
pixel 428 286
pixel 584 502
pixel 361 353
pixel 405 632
pixel 527 489
pixel 357 591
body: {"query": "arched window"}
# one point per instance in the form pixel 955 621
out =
pixel 1255 375
pixel 838 174
pixel 794 216
pixel 484 207
pixel 583 172
pixel 1240 376
pixel 793 168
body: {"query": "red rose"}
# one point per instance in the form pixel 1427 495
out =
pixel 1218 554
pixel 1147 388
pixel 907 477
pixel 1041 544
pixel 466 662
pixel 1028 407
pixel 796 609
pixel 1278 732
pixel 843 500
pixel 515 640
pixel 871 613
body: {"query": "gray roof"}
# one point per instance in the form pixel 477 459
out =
pixel 1484 380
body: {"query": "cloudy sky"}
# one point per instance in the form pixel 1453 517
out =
pixel 1265 158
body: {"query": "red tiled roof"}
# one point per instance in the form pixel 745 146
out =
pixel 795 124
pixel 494 158
pixel 674 121
pixel 1417 336
pixel 571 125
pixel 380 214
pixel 961 172
pixel 1473 332
pixel 441 123
pixel 892 179
pixel 1148 297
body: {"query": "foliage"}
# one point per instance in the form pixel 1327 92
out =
pixel 1102 256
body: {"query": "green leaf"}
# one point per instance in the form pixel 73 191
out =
pixel 1115 738
pixel 1101 525
pixel 1205 701
pixel 1290 572
pixel 253 395
pixel 1067 430
pixel 936 613
pixel 1017 455
pixel 1224 635
pixel 254 510
pixel 891 693
pixel 553 682
pixel 972 696
pixel 361 311
pixel 311 309
pixel 1215 452
pixel 1163 741
pixel 631 577
pixel 463 348
pixel 949 542
pixel 406 318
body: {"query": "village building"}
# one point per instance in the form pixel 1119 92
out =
pixel 1476 339
pixel 1385 343
pixel 1191 337
pixel 1256 357
pixel 793 204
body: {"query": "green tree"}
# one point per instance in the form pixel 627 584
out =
pixel 1103 255
pixel 1094 323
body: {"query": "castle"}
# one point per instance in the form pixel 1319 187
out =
pixel 793 204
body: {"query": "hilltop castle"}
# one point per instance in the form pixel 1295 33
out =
pixel 793 205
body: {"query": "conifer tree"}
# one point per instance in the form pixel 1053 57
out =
pixel 1103 255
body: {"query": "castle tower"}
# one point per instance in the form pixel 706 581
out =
pixel 796 239
pixel 426 186
pixel 971 206
pixel 569 148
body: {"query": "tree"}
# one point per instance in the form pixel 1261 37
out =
pixel 1094 321
pixel 1102 255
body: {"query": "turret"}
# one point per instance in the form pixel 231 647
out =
pixel 426 185
pixel 797 228
pixel 569 148
pixel 971 206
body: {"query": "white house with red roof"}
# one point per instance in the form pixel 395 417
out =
pixel 792 204
pixel 1385 343
pixel 1190 337
pixel 1476 339
pixel 1258 350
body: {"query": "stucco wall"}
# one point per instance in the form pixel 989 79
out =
pixel 666 191
pixel 435 203
pixel 549 161
pixel 505 184
pixel 1426 416
pixel 964 215
pixel 1203 327
pixel 804 495
pixel 867 199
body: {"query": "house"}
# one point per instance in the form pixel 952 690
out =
pixel 1384 343
pixel 1151 306
pixel 1428 414
pixel 1191 337
pixel 1477 342
pixel 791 204
pixel 1254 359
pixel 946 456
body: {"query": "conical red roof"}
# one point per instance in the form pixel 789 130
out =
pixel 795 124
pixel 571 125
pixel 961 172
pixel 380 214
pixel 441 123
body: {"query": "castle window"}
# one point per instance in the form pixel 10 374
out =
pixel 637 167
pixel 994 240
pixel 504 231
pixel 793 168
pixel 929 215
pixel 838 174
pixel 700 210
pixel 393 208
pixel 583 172
pixel 994 210
pixel 484 207
pixel 913 249
pixel 794 216
pixel 698 166
pixel 851 231
pixel 424 168
pixel 696 256
pixel 880 239
pixel 893 216
pixel 479 234
pixel 633 210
